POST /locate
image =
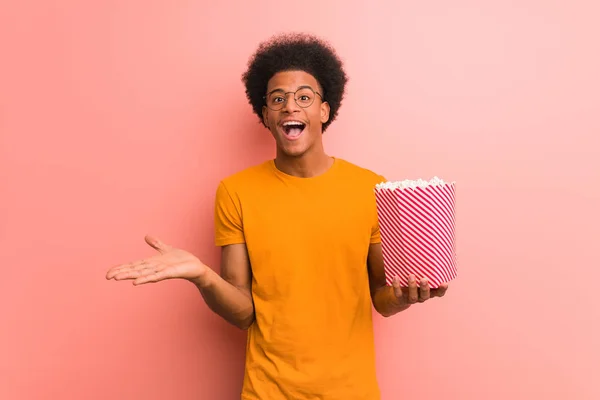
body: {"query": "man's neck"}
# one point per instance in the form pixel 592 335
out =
pixel 306 166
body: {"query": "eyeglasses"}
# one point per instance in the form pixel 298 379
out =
pixel 304 97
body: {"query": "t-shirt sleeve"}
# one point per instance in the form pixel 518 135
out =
pixel 228 218
pixel 375 233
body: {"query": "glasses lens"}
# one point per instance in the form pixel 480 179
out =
pixel 304 98
pixel 276 100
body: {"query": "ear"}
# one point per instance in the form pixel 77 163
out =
pixel 325 112
pixel 265 116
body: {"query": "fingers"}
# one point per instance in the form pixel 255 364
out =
pixel 144 272
pixel 157 244
pixel 424 291
pixel 131 266
pixel 440 291
pixel 150 273
pixel 154 276
pixel 419 292
pixel 397 289
pixel 136 271
pixel 413 289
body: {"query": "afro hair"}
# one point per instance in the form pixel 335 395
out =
pixel 296 52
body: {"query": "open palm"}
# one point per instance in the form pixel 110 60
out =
pixel 169 263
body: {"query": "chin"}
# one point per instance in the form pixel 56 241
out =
pixel 293 151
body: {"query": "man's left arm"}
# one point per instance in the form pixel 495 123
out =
pixel 390 300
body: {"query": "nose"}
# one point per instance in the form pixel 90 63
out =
pixel 290 103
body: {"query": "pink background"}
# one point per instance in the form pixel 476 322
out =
pixel 118 118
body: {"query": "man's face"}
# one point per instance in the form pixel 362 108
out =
pixel 295 111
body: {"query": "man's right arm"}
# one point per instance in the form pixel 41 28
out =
pixel 229 294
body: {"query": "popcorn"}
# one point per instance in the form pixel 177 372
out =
pixel 409 183
pixel 417 225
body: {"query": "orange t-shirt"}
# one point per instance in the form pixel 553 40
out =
pixel 307 240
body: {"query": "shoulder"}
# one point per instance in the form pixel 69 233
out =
pixel 360 173
pixel 249 177
pixel 233 190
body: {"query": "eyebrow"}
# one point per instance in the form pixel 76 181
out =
pixel 299 87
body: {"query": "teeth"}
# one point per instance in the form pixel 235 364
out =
pixel 293 123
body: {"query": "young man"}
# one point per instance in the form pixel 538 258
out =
pixel 301 254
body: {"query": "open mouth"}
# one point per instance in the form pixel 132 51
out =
pixel 293 129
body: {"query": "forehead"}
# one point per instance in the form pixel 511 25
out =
pixel 291 80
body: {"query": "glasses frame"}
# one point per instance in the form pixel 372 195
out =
pixel 285 96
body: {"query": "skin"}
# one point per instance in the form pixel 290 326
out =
pixel 306 156
pixel 229 294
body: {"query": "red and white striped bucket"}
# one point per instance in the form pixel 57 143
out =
pixel 417 225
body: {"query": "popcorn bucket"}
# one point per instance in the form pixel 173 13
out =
pixel 417 223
